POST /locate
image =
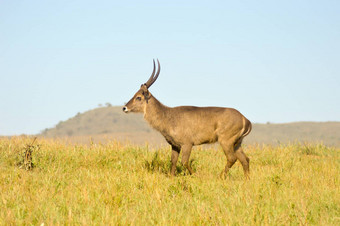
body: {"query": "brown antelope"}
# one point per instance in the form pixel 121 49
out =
pixel 186 126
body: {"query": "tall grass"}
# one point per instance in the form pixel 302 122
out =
pixel 124 184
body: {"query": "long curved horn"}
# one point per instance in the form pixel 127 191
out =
pixel 153 76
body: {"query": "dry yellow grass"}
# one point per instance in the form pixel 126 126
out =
pixel 124 184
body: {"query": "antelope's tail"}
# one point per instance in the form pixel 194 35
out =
pixel 245 131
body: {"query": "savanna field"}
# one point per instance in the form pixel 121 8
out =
pixel 53 182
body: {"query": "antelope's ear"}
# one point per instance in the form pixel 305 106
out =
pixel 144 89
pixel 145 92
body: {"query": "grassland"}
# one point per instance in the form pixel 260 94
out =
pixel 120 184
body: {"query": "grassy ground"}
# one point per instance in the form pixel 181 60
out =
pixel 122 184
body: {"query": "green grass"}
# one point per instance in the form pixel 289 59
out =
pixel 122 184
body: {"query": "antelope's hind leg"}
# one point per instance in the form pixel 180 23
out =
pixel 243 159
pixel 228 149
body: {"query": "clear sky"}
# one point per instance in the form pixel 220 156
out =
pixel 276 61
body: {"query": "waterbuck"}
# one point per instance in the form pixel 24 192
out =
pixel 186 126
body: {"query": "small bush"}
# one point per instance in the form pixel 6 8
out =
pixel 26 157
pixel 164 165
pixel 158 165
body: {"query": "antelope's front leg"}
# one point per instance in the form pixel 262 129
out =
pixel 186 151
pixel 174 158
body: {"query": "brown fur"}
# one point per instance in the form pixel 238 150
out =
pixel 186 126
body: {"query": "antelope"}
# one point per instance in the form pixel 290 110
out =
pixel 186 126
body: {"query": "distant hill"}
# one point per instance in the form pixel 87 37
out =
pixel 103 120
pixel 112 123
pixel 327 133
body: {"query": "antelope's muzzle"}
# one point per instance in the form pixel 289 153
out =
pixel 125 109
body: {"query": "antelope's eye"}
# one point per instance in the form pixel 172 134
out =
pixel 138 98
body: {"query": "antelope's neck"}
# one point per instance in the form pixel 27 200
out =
pixel 156 114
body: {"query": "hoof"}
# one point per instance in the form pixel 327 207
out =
pixel 246 175
pixel 223 175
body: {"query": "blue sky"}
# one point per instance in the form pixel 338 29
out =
pixel 275 61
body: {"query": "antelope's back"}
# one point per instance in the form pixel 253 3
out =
pixel 206 123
